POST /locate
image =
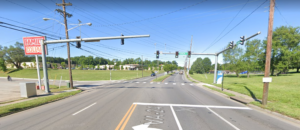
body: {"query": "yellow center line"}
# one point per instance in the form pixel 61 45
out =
pixel 128 118
pixel 124 117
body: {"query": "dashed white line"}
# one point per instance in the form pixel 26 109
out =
pixel 158 82
pixel 223 119
pixel 182 84
pixel 137 82
pixel 144 82
pixel 151 82
pixel 191 84
pixel 166 83
pixel 84 109
pixel 174 83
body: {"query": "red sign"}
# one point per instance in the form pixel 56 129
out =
pixel 32 45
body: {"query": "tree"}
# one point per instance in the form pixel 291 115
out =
pixel 98 66
pixel 253 55
pixel 105 68
pixel 197 65
pixel 63 64
pixel 121 67
pixel 285 48
pixel 2 65
pixel 24 65
pixel 54 65
pixel 206 63
pixel 169 67
pixel 234 57
pixel 14 54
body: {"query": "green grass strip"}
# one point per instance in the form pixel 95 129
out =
pixel 229 94
pixel 161 78
pixel 17 107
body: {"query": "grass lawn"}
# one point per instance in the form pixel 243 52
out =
pixel 82 75
pixel 229 94
pixel 283 90
pixel 12 108
pixel 161 78
pixel 54 88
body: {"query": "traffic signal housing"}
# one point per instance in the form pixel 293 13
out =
pixel 78 44
pixel 157 54
pixel 122 40
pixel 189 54
pixel 231 45
pixel 242 40
pixel 176 54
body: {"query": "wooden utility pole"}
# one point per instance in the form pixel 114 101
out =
pixel 268 53
pixel 63 4
pixel 190 58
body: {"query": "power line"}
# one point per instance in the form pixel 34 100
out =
pixel 281 15
pixel 236 25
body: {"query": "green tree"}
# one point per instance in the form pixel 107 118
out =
pixel 285 48
pixel 234 57
pixel 24 65
pixel 2 65
pixel 54 65
pixel 254 55
pixel 14 54
pixel 197 66
pixel 206 63
pixel 63 64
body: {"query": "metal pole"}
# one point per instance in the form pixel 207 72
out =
pixel 216 67
pixel 46 81
pixel 60 81
pixel 268 53
pixel 38 70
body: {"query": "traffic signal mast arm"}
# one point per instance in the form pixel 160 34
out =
pixel 238 43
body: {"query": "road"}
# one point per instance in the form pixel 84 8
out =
pixel 174 104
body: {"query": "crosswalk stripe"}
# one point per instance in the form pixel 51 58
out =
pixel 191 84
pixel 182 84
pixel 137 82
pixel 151 82
pixel 166 83
pixel 174 83
pixel 144 82
pixel 158 82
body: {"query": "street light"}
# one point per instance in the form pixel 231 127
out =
pixel 78 25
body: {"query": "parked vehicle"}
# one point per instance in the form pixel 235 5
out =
pixel 153 74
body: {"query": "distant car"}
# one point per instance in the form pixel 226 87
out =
pixel 153 74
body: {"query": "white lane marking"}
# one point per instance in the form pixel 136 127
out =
pixel 191 84
pixel 176 119
pixel 144 127
pixel 137 82
pixel 188 105
pixel 151 82
pixel 223 119
pixel 84 109
pixel 166 83
pixel 174 83
pixel 158 82
pixel 182 84
pixel 144 82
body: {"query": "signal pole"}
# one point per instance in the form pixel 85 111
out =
pixel 191 51
pixel 268 53
pixel 67 37
pixel 142 67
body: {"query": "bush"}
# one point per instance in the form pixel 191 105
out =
pixel 191 72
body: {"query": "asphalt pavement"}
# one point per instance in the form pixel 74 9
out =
pixel 175 104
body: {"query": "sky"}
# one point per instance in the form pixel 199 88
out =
pixel 172 25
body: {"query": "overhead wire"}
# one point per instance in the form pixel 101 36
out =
pixel 236 25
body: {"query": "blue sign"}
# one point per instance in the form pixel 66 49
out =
pixel 220 77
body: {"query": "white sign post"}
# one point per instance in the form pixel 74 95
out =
pixel 32 46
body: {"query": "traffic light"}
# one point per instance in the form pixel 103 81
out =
pixel 242 40
pixel 176 54
pixel 157 54
pixel 189 54
pixel 78 44
pixel 122 40
pixel 231 45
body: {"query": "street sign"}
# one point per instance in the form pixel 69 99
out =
pixel 220 77
pixel 32 45
pixel 183 53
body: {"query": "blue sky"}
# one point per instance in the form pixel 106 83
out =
pixel 170 24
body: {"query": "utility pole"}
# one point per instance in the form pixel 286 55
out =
pixel 67 37
pixel 191 51
pixel 268 53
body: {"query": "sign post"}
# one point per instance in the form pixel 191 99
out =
pixel 220 77
pixel 32 46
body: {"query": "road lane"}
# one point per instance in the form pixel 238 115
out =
pixel 188 107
